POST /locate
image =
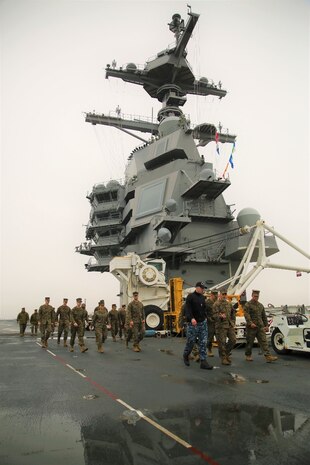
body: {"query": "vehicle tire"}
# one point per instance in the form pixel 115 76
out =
pixel 277 342
pixel 154 317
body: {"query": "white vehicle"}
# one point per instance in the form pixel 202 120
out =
pixel 290 329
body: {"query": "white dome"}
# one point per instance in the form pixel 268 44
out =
pixel 206 175
pixel 164 235
pixel 248 217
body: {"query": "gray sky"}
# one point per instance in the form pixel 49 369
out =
pixel 53 55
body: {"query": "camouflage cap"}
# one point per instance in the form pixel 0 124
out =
pixel 101 302
pixel 65 298
pixel 135 293
pixel 79 299
pixel 47 298
pixel 214 292
pixel 255 292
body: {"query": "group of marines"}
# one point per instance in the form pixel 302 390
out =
pixel 216 316
pixel 130 321
pixel 204 318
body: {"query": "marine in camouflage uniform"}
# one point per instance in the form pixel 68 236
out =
pixel 53 322
pixel 46 320
pixel 107 326
pixel 225 321
pixel 195 311
pixel 135 321
pixel 113 320
pixel 34 321
pixel 122 321
pixel 256 327
pixel 77 319
pixel 86 317
pixel 63 315
pixel 100 322
pixel 22 319
pixel 211 322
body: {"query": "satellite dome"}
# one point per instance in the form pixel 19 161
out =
pixel 247 217
pixel 204 79
pixel 171 205
pixel 164 235
pixel 131 66
pixel 113 183
pixel 168 125
pixel 206 175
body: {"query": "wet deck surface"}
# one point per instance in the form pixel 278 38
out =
pixel 123 408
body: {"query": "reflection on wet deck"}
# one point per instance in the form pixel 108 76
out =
pixel 226 433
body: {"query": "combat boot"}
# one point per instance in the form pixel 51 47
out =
pixel 65 343
pixel 126 344
pixel 83 349
pixel 135 348
pixel 248 358
pixel 270 358
pixel 71 349
pixel 210 353
pixel 186 360
pixel 138 345
pixel 204 365
pixel 43 344
pixel 225 361
pixel 100 348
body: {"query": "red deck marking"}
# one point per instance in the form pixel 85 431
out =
pixel 101 388
pixel 203 456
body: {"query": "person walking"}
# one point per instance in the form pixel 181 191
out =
pixel 22 319
pixel 135 321
pixel 211 322
pixel 34 321
pixel 77 318
pixel 100 322
pixel 196 314
pixel 46 320
pixel 63 315
pixel 122 321
pixel 225 321
pixel 256 327
pixel 113 320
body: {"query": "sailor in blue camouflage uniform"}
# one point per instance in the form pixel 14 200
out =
pixel 196 317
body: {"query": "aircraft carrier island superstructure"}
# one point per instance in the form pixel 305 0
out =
pixel 171 203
